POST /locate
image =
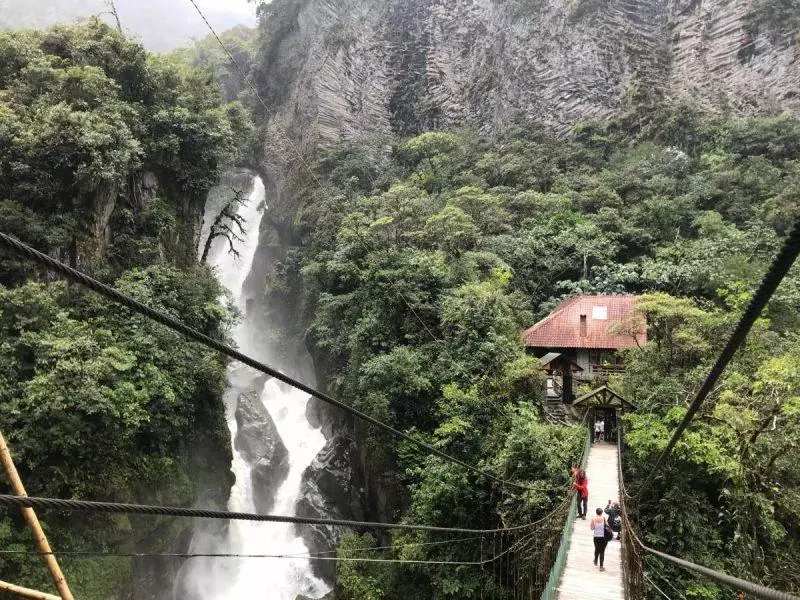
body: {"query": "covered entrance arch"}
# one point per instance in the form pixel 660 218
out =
pixel 606 405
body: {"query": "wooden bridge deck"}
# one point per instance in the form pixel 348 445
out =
pixel 581 579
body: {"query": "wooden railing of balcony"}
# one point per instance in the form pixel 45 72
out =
pixel 607 369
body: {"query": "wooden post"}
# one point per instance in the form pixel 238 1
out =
pixel 23 592
pixel 33 524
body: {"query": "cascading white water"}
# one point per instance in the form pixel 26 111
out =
pixel 256 578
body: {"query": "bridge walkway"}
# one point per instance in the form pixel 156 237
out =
pixel 581 580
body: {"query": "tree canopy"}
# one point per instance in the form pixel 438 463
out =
pixel 427 256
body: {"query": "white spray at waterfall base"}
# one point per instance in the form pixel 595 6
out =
pixel 255 578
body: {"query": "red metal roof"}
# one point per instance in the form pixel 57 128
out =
pixel 562 328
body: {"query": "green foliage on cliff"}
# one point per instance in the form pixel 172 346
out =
pixel 420 265
pixel 84 115
pixel 207 56
pixel 106 155
pixel 776 18
pixel 97 404
pixel 730 490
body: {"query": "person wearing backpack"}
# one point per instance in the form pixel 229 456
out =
pixel 602 533
pixel 614 521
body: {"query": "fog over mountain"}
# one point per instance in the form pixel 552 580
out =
pixel 159 24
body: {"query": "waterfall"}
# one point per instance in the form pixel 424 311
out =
pixel 255 578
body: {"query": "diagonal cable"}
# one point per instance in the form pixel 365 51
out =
pixel 201 513
pixel 56 266
pixel 777 271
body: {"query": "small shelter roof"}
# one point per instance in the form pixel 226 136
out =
pixel 553 360
pixel 603 396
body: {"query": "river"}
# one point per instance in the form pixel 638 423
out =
pixel 255 578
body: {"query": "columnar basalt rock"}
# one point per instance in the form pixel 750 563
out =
pixel 366 66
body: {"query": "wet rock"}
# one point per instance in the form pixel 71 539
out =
pixel 329 596
pixel 328 418
pixel 259 443
pixel 332 487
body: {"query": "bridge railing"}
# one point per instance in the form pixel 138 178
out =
pixel 632 553
pixel 555 555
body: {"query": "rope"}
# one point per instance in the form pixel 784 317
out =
pixel 51 264
pixel 524 540
pixel 315 555
pixel 655 586
pixel 174 511
pixel 757 590
pixel 222 555
pixel 402 546
pixel 777 271
pixel 669 583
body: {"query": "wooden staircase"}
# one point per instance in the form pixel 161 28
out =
pixel 555 412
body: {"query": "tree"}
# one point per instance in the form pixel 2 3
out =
pixel 228 224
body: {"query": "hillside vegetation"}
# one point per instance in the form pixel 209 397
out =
pixel 422 259
pixel 106 156
pixel 415 264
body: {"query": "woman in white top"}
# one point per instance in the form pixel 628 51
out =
pixel 598 526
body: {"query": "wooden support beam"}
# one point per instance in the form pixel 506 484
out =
pixel 23 592
pixel 33 525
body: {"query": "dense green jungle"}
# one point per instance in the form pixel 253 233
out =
pixel 416 260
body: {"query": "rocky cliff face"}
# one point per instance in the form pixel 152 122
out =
pixel 332 488
pixel 339 69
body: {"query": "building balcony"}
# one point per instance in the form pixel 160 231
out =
pixel 607 370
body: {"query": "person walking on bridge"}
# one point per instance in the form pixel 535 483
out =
pixel 598 527
pixel 581 487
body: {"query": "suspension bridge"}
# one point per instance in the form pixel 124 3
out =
pixel 547 558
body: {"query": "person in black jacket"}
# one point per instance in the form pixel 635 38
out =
pixel 614 520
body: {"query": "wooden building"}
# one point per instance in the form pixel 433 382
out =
pixel 580 340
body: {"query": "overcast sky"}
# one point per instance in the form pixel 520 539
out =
pixel 159 24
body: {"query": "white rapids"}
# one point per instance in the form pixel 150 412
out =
pixel 255 578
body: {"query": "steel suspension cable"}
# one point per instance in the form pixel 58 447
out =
pixel 189 555
pixel 93 284
pixel 646 578
pixel 175 511
pixel 757 590
pixel 313 555
pixel 777 271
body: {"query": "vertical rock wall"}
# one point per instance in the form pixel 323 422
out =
pixel 718 62
pixel 366 66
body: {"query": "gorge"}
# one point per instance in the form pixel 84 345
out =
pixel 422 180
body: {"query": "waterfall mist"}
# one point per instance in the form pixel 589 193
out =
pixel 255 578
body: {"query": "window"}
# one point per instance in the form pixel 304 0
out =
pixel 600 313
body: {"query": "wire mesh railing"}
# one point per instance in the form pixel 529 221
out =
pixel 633 577
pixel 555 555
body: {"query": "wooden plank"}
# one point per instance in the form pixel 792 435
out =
pixel 581 580
pixel 24 592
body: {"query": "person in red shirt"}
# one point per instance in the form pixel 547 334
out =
pixel 581 486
